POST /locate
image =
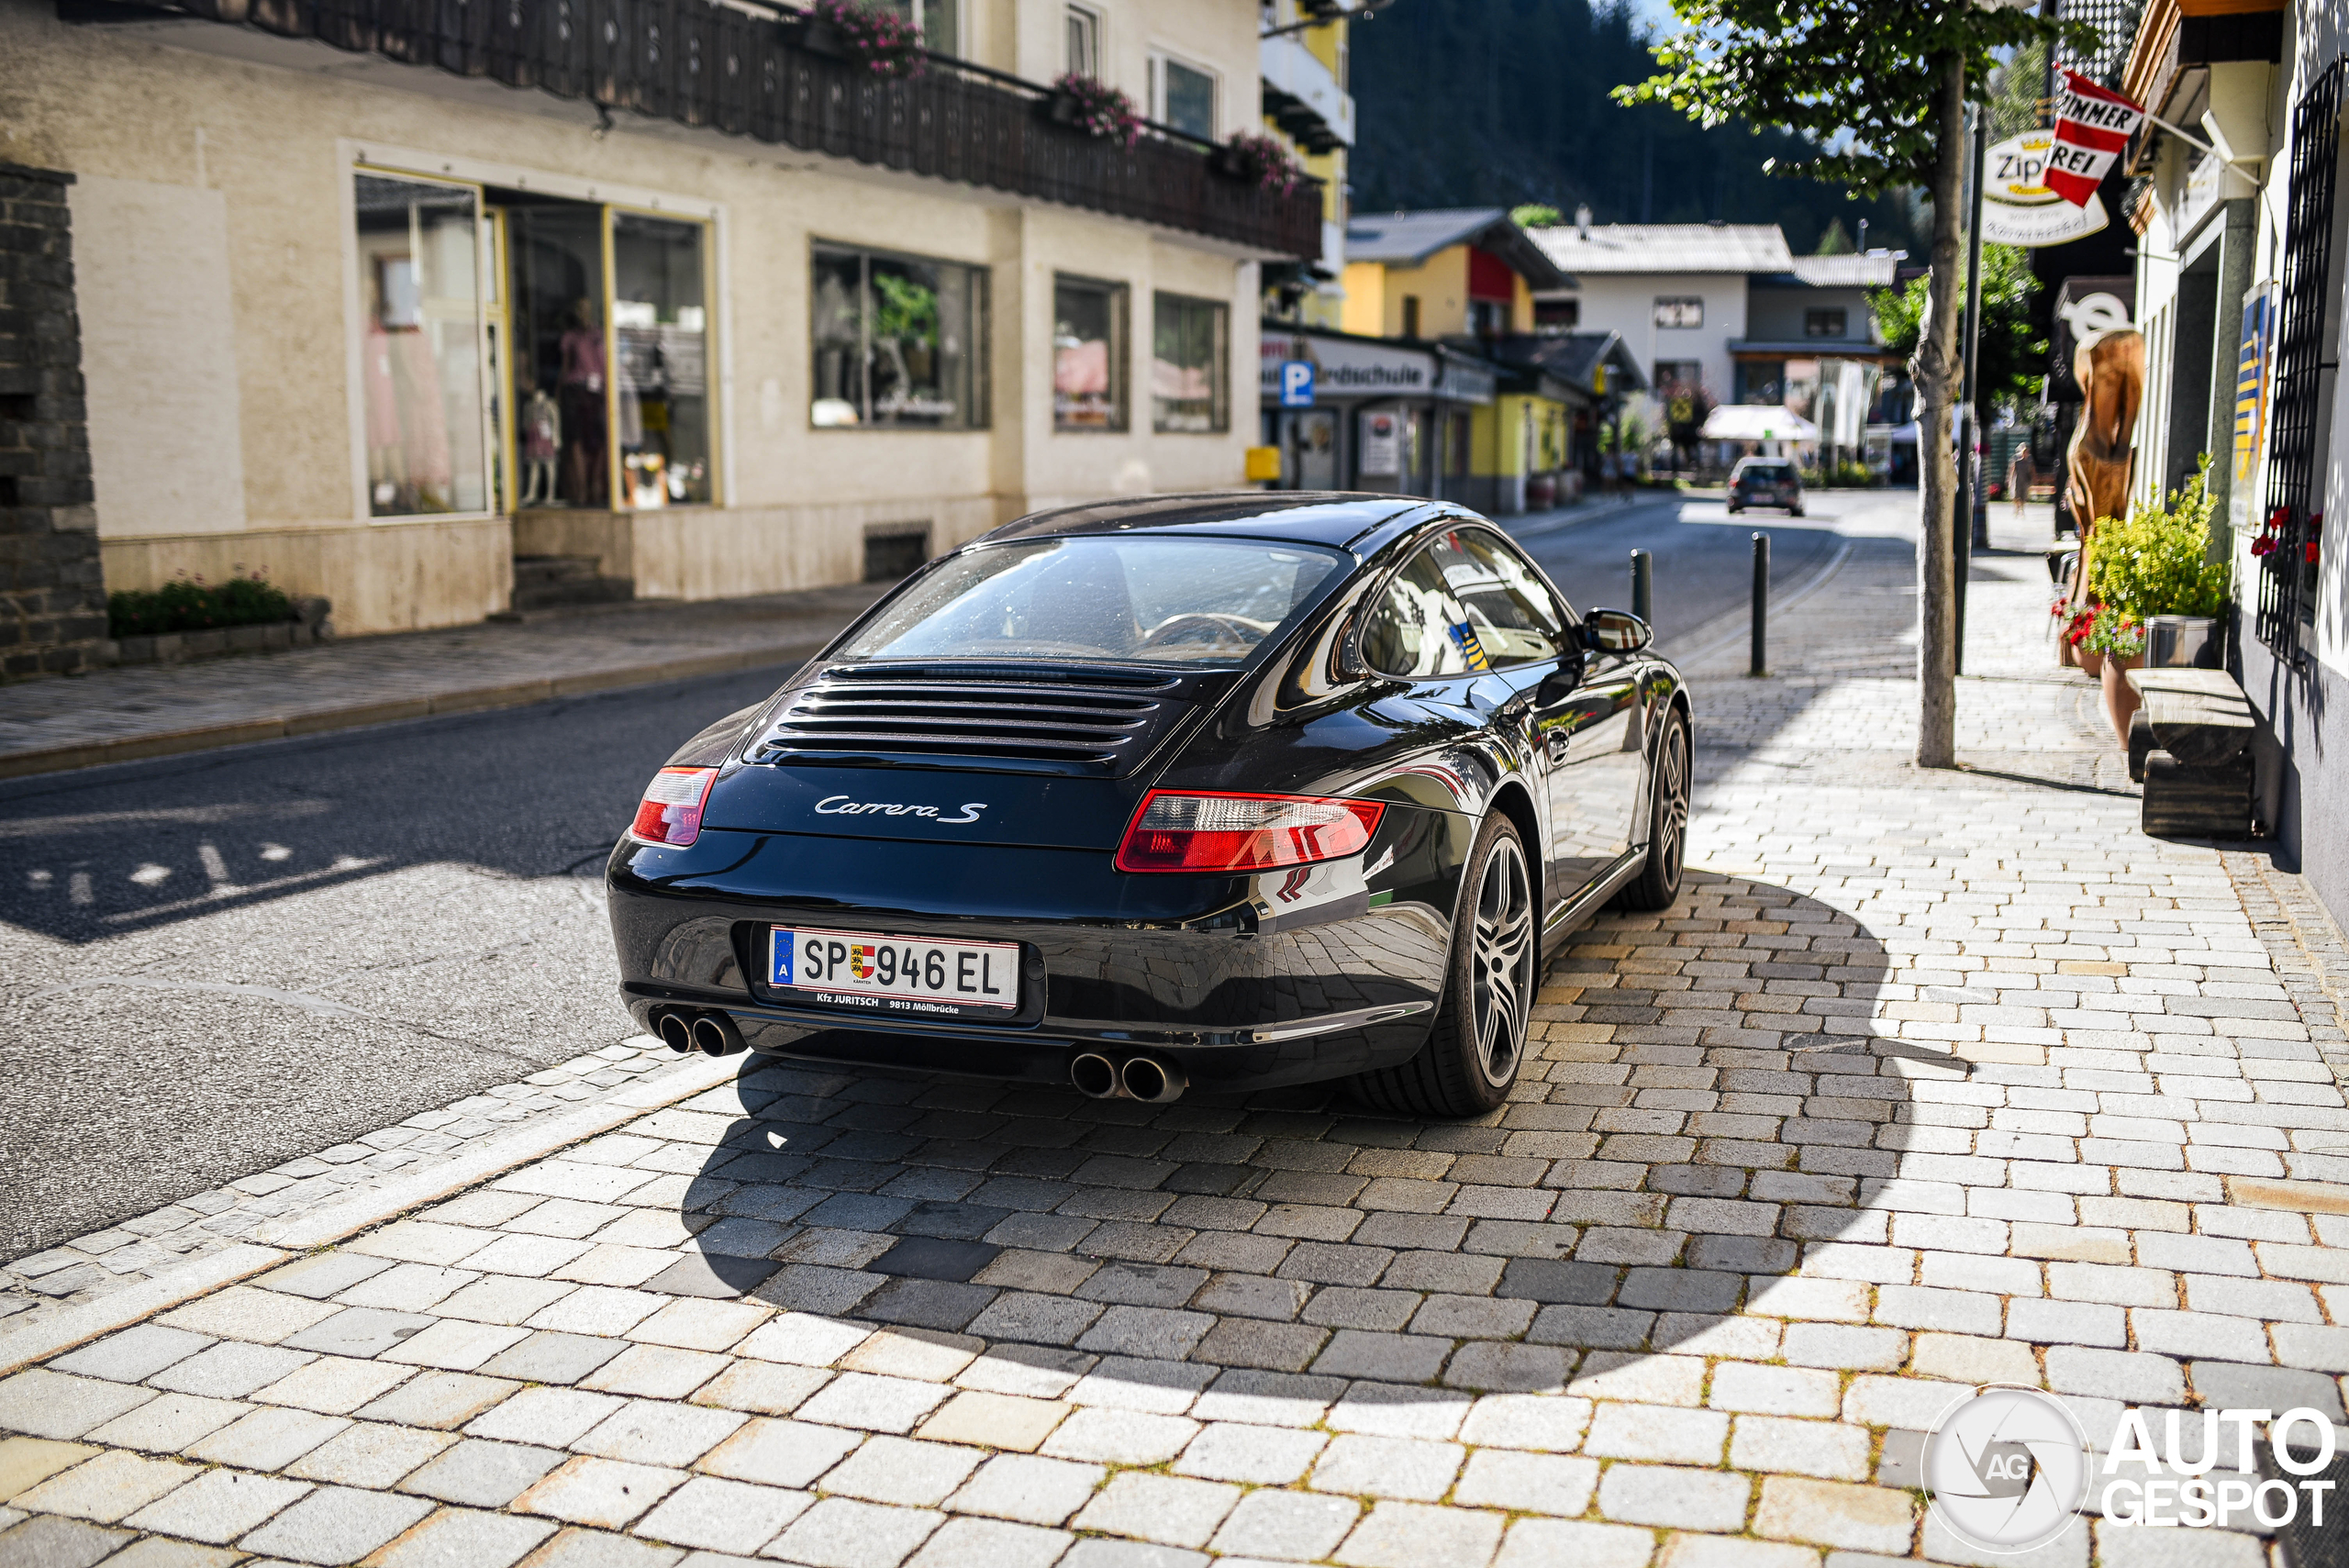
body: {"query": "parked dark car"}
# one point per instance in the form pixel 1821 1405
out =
pixel 1228 789
pixel 1765 481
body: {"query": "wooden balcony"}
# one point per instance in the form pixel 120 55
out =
pixel 754 74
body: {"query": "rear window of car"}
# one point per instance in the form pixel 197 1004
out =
pixel 1766 473
pixel 1132 598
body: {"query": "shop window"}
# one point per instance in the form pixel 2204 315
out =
pixel 1084 24
pixel 1188 365
pixel 660 358
pixel 1088 355
pixel 1557 315
pixel 1824 323
pixel 1682 311
pixel 1678 376
pixel 1183 96
pixel 605 319
pixel 899 342
pixel 895 550
pixel 427 430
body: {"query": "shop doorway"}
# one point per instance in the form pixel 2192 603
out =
pixel 599 341
pixel 1313 450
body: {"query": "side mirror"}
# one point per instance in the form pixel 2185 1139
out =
pixel 1615 631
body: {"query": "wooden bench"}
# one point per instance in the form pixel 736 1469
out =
pixel 2190 745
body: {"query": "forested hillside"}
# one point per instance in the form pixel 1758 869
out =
pixel 1462 103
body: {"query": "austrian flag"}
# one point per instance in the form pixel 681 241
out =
pixel 2092 125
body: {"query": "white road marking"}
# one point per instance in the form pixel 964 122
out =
pixel 150 875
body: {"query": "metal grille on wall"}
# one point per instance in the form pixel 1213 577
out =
pixel 2286 575
pixel 785 78
pixel 2115 23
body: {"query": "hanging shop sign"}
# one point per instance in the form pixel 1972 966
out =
pixel 2252 358
pixel 2093 123
pixel 2017 205
pixel 1381 442
pixel 1342 367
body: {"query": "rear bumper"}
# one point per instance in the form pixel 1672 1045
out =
pixel 1247 982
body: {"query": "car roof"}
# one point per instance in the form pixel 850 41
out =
pixel 1307 516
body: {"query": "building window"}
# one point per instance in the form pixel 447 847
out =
pixel 1683 311
pixel 1183 96
pixel 2307 330
pixel 1085 41
pixel 1557 314
pixel 420 365
pixel 1678 376
pixel 1189 359
pixel 1824 323
pixel 1488 317
pixel 1088 354
pixel 900 341
pixel 938 21
pixel 1410 316
pixel 660 361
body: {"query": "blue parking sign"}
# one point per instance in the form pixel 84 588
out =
pixel 1297 384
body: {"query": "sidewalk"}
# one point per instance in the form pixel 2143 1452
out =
pixel 153 710
pixel 1928 1079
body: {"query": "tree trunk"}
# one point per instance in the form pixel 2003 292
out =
pixel 1936 371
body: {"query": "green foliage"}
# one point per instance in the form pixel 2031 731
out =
pixel 1475 103
pixel 1533 214
pixel 1834 242
pixel 1860 78
pixel 2116 632
pixel 189 604
pixel 907 310
pixel 2155 562
pixel 2014 354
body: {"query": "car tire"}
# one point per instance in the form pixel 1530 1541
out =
pixel 1735 510
pixel 1794 511
pixel 1477 1045
pixel 1658 883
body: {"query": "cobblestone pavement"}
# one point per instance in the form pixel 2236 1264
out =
pixel 1928 1081
pixel 382 677
pixel 41 1286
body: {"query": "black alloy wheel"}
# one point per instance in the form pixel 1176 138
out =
pixel 1479 1042
pixel 1658 883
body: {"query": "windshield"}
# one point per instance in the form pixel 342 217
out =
pixel 1134 598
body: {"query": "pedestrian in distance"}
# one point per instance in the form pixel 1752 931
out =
pixel 2021 474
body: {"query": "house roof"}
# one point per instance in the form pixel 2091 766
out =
pixel 1619 247
pixel 1874 270
pixel 1410 239
pixel 1572 357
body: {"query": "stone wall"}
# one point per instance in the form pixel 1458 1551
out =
pixel 52 593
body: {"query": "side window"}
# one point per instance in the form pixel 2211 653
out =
pixel 1420 630
pixel 1515 617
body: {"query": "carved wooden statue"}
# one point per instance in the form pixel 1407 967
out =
pixel 2110 369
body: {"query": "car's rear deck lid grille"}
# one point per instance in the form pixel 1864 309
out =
pixel 1089 720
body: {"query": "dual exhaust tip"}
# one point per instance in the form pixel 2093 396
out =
pixel 1144 1078
pixel 686 1032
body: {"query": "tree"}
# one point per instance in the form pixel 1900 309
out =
pixel 1834 242
pixel 1881 88
pixel 2013 351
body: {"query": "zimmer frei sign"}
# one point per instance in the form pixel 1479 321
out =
pixel 2017 208
pixel 2010 1469
pixel 2092 125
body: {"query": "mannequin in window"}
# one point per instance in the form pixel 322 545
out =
pixel 586 482
pixel 541 441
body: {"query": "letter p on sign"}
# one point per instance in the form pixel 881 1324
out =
pixel 1297 384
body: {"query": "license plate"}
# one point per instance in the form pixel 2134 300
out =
pixel 867 969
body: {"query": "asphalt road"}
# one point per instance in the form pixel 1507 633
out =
pixel 216 963
pixel 1703 557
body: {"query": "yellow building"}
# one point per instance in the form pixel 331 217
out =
pixel 1308 108
pixel 1465 278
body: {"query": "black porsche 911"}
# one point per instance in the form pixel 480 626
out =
pixel 1232 790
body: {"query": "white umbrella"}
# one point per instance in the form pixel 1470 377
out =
pixel 1756 422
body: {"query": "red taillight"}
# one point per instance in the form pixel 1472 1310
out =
pixel 670 810
pixel 1179 831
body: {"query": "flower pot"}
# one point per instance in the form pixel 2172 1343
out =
pixel 2067 654
pixel 817 37
pixel 1061 108
pixel 2179 643
pixel 2091 660
pixel 2121 698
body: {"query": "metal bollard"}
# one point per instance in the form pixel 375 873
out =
pixel 1760 661
pixel 1644 586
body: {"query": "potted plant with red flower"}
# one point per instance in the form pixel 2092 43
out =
pixel 885 43
pixel 1261 161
